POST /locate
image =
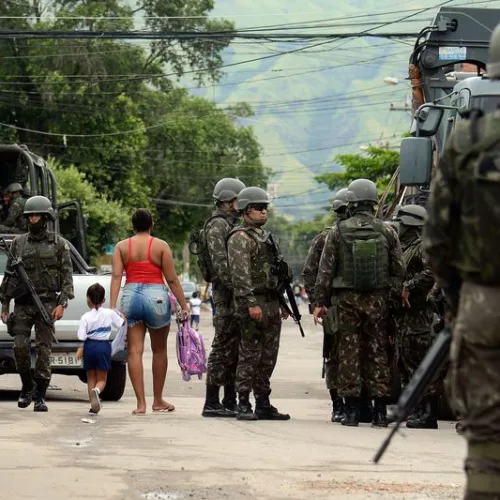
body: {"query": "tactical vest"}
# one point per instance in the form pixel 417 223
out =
pixel 477 223
pixel 40 259
pixel 263 279
pixel 363 255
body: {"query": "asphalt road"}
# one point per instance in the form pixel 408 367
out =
pixel 184 456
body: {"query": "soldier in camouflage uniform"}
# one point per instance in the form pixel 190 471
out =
pixel 310 273
pixel 14 221
pixel 461 239
pixel 223 358
pixel 251 258
pixel 415 318
pixel 46 258
pixel 360 299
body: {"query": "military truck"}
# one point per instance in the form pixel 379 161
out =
pixel 447 70
pixel 18 164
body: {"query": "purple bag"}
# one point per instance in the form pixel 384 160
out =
pixel 191 354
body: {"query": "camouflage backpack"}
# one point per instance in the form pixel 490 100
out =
pixel 364 255
pixel 198 246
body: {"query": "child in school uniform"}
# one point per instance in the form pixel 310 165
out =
pixel 94 330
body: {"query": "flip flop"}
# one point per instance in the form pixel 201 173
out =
pixel 167 409
pixel 138 413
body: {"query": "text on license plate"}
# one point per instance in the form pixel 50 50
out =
pixel 64 359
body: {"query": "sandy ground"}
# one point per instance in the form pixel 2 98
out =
pixel 183 456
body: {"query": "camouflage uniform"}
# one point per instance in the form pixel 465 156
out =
pixel 414 325
pixel 14 221
pixel 223 357
pixel 310 273
pixel 360 317
pixel 250 265
pixel 47 261
pixel 461 240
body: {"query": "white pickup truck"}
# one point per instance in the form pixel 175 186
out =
pixel 18 164
pixel 63 353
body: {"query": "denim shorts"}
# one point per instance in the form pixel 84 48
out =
pixel 148 304
pixel 97 355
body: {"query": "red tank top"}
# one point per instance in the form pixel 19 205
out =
pixel 144 271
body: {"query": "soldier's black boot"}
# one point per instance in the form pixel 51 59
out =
pixel 266 411
pixel 41 387
pixel 379 418
pixel 338 407
pixel 459 428
pixel 417 413
pixel 26 395
pixel 365 406
pixel 213 407
pixel 351 412
pixel 229 401
pixel 428 419
pixel 245 411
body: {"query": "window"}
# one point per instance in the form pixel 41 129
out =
pixel 3 262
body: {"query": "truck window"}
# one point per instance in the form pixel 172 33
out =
pixel 3 261
pixel 486 103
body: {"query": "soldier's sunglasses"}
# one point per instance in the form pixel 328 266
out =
pixel 259 207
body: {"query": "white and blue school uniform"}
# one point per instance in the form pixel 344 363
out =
pixel 95 330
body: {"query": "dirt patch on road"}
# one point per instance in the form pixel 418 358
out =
pixel 335 486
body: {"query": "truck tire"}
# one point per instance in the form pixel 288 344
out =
pixel 115 385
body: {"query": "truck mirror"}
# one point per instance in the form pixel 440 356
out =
pixel 428 120
pixel 415 161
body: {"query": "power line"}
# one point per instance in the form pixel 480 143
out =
pixel 185 35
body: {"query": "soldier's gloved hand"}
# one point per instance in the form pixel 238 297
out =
pixel 255 313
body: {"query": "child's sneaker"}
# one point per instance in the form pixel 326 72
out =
pixel 95 404
pixel 92 413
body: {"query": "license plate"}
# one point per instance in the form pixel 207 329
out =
pixel 64 359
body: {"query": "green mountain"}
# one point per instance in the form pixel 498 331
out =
pixel 313 104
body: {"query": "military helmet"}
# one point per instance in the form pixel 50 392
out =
pixel 493 64
pixel 227 189
pixel 340 199
pixel 362 190
pixel 39 205
pixel 250 196
pixel 412 215
pixel 13 187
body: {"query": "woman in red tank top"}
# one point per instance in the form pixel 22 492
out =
pixel 148 264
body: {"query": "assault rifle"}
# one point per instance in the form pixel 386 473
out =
pixel 279 268
pixel 424 375
pixel 20 272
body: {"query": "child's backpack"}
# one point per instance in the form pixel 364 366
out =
pixel 191 354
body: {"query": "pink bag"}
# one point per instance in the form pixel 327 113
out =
pixel 191 354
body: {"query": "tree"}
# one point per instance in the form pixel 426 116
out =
pixel 378 165
pixel 112 110
pixel 295 238
pixel 189 153
pixel 107 221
